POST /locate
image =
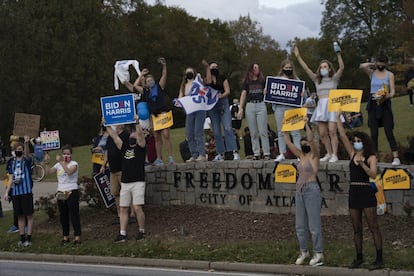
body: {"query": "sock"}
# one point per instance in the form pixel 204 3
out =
pixel 122 232
pixel 22 238
pixel 29 238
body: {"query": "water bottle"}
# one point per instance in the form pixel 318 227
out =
pixel 336 47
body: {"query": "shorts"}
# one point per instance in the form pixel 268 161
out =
pixel 115 180
pixel 23 205
pixel 134 191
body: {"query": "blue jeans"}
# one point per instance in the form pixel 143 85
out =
pixel 220 116
pixel 256 116
pixel 194 129
pixel 279 111
pixel 308 216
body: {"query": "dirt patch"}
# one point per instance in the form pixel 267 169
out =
pixel 213 225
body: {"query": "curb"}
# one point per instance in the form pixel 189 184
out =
pixel 201 265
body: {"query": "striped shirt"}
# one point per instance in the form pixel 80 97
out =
pixel 21 172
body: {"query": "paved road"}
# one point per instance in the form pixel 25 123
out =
pixel 41 188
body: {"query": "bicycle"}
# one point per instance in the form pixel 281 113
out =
pixel 38 172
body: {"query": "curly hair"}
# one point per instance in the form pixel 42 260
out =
pixel 368 148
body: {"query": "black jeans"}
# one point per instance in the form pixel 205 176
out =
pixel 386 121
pixel 69 211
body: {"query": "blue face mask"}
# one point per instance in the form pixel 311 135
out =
pixel 324 72
pixel 358 146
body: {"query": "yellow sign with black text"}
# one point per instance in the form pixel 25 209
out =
pixel 294 119
pixel 348 100
pixel 396 179
pixel 162 120
pixel 285 173
pixel 97 158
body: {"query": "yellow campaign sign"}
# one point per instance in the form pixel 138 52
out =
pixel 285 173
pixel 162 120
pixel 294 119
pixel 97 158
pixel 396 179
pixel 348 100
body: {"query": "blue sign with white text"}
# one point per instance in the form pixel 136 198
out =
pixel 284 91
pixel 118 109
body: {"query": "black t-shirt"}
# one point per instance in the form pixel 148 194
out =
pixel 133 163
pixel 114 154
pixel 254 90
pixel 156 99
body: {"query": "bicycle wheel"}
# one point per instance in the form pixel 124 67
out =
pixel 38 172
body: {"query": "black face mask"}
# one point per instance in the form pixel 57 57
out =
pixel 189 75
pixel 381 68
pixel 18 153
pixel 132 141
pixel 305 148
pixel 214 72
pixel 288 72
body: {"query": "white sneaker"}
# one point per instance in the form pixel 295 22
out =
pixel 236 156
pixel 218 158
pixel 280 157
pixel 333 158
pixel 302 256
pixel 326 158
pixel 192 159
pixel 396 161
pixel 317 260
pixel 201 158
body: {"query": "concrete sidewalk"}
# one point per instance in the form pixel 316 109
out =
pixel 203 265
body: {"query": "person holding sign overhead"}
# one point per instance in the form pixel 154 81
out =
pixel 325 79
pixel 379 106
pixel 362 200
pixel 308 197
pixel 286 71
pixel 154 95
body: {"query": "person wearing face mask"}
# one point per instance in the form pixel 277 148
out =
pixel 133 179
pixel 194 122
pixel 220 115
pixel 308 198
pixel 362 200
pixel 325 79
pixel 379 106
pixel 20 179
pixel 251 98
pixel 67 194
pixel 286 71
pixel 154 94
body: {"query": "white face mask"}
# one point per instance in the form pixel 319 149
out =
pixel 324 72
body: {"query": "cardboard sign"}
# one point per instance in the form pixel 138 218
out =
pixel 26 124
pixel 163 120
pixel 348 100
pixel 118 109
pixel 294 119
pixel 50 140
pixel 104 187
pixel 396 179
pixel 284 91
pixel 285 173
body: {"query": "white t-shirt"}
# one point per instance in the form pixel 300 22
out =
pixel 66 182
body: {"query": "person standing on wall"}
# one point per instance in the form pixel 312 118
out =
pixel 220 115
pixel 379 107
pixel 325 79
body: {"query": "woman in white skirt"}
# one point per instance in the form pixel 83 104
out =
pixel 325 79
